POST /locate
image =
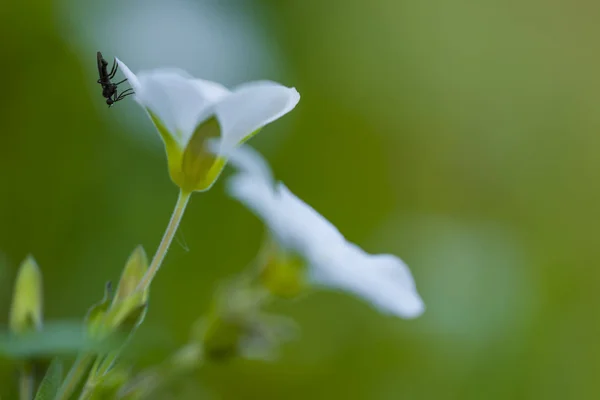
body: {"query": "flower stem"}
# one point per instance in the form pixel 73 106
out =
pixel 185 360
pixel 26 382
pixel 77 372
pixel 161 252
pixel 86 392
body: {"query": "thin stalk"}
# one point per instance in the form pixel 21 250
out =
pixel 76 373
pixel 82 364
pixel 161 252
pixel 26 382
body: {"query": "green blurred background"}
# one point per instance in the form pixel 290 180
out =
pixel 460 135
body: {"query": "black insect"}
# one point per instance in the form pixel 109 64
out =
pixel 109 89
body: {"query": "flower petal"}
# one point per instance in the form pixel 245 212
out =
pixel 132 79
pixel 383 280
pixel 293 222
pixel 306 229
pixel 253 186
pixel 252 106
pixel 180 102
pixel 177 99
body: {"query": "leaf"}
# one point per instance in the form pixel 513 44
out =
pixel 107 385
pixel 57 338
pixel 95 315
pixel 51 382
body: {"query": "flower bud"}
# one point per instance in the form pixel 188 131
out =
pixel 27 303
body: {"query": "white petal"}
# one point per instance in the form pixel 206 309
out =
pixel 383 280
pixel 306 228
pixel 252 106
pixel 177 99
pixel 253 186
pixel 179 102
pixel 294 223
pixel 132 80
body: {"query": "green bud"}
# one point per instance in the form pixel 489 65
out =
pixel 27 303
pixel 283 273
pixel 126 309
pixel 234 306
pixel 237 327
pixel 222 337
pixel 257 336
pixel 129 305
pixel 186 358
pixel 134 270
pixel 268 333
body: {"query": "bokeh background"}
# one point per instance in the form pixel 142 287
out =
pixel 460 135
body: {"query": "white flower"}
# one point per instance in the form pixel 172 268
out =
pixel 188 111
pixel 382 279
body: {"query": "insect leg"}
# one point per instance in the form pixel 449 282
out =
pixel 113 70
pixel 125 94
pixel 121 97
pixel 118 83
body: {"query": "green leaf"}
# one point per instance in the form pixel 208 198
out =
pixel 57 338
pixel 96 314
pixel 106 386
pixel 51 382
pixel 103 364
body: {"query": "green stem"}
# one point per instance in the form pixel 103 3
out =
pixel 26 382
pixel 185 360
pixel 100 368
pixel 76 373
pixel 82 363
pixel 86 392
pixel 163 247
